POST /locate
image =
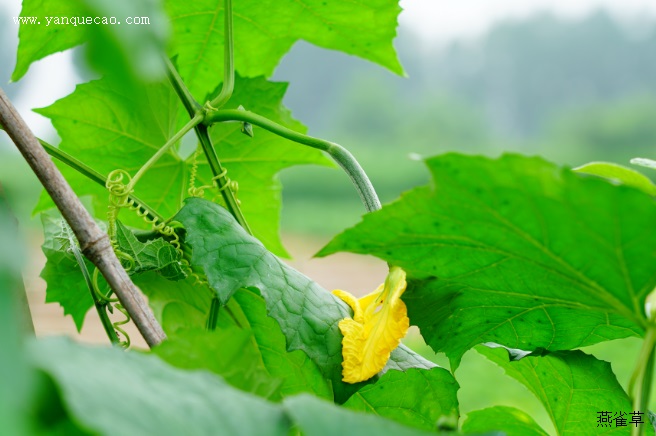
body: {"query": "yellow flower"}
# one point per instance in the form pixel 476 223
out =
pixel 380 321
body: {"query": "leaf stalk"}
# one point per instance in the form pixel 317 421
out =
pixel 228 60
pixel 338 153
pixel 641 380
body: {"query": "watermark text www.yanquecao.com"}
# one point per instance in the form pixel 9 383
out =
pixel 79 21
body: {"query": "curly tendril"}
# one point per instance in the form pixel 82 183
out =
pixel 110 304
pixel 194 191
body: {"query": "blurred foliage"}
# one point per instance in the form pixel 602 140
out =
pixel 572 91
pixel 613 132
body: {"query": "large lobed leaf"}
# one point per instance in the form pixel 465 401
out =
pixel 108 127
pixel 265 30
pixel 516 251
pixel 307 314
pixel 574 388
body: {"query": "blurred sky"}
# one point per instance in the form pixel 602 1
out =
pixel 434 21
pixel 441 21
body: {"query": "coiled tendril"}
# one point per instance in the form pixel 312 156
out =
pixel 194 191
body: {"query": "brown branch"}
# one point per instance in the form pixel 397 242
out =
pixel 94 243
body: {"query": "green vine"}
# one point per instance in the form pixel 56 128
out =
pixel 222 182
pixel 98 301
pixel 641 379
pixel 110 304
pixel 341 155
pixel 228 63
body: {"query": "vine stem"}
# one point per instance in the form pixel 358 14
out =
pixel 94 243
pixel 94 176
pixel 640 384
pixel 228 63
pixel 181 89
pixel 192 107
pixel 214 314
pixel 99 305
pixel 339 154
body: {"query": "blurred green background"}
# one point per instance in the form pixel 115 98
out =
pixel 571 90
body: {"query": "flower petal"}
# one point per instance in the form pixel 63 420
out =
pixel 379 323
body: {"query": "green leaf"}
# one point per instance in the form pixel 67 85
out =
pixel 151 397
pixel 229 352
pixel 181 306
pixel 119 393
pixel 307 314
pixel 154 255
pixel 416 398
pixel 512 421
pixel 573 386
pixel 315 417
pixel 518 252
pixel 265 30
pixel 15 377
pixel 108 127
pixel 177 305
pixel 298 372
pixel 619 174
pixel 135 48
pixel 64 279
